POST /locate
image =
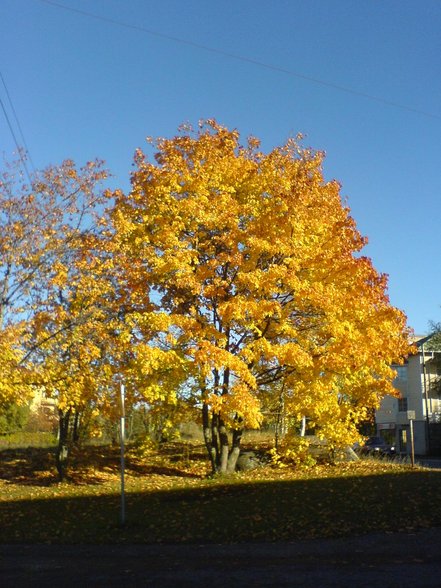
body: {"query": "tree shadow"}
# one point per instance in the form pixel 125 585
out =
pixel 248 511
pixel 160 470
pixel 27 466
pixel 87 465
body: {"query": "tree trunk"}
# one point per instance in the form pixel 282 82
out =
pixel 4 294
pixel 76 428
pixel 280 427
pixel 303 427
pixel 235 450
pixel 208 437
pixel 62 453
pixel 223 459
pixel 224 447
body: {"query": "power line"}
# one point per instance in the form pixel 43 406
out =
pixel 17 121
pixel 242 58
pixel 19 150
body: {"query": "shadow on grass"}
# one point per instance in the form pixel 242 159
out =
pixel 230 512
pixel 160 470
pixel 28 466
pixel 89 465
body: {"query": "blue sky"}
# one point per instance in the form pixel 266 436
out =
pixel 85 87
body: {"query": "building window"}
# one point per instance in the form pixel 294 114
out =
pixel 402 404
pixel 401 372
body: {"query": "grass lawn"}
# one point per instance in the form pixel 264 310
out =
pixel 170 499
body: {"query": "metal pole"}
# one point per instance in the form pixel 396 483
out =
pixel 122 434
pixel 412 446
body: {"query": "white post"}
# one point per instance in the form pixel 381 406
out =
pixel 412 445
pixel 122 434
pixel 411 417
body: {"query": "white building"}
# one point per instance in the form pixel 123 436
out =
pixel 419 400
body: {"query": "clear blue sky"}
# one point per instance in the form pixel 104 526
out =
pixel 85 87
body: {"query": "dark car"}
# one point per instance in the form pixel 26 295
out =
pixel 377 446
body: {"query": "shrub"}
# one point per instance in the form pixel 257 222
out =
pixel 293 451
pixel 13 418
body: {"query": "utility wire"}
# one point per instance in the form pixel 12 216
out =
pixel 238 57
pixel 19 150
pixel 17 122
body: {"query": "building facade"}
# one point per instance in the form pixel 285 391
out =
pixel 418 400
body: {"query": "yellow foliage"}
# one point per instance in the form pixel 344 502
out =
pixel 48 330
pixel 15 379
pixel 293 451
pixel 245 270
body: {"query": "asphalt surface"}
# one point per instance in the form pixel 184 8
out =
pixel 387 560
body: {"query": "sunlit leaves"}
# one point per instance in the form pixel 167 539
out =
pixel 253 262
pixel 45 303
pixel 223 277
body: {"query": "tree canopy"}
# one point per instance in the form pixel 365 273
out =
pixel 45 310
pixel 226 279
pixel 241 272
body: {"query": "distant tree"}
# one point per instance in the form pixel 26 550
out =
pixel 243 270
pixel 434 344
pixel 13 417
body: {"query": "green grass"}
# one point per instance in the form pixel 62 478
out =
pixel 27 439
pixel 169 499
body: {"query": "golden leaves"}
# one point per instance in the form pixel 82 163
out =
pixel 48 277
pixel 255 262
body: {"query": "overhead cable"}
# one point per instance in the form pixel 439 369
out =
pixel 243 58
pixel 19 150
pixel 17 122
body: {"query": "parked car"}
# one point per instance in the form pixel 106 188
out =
pixel 377 446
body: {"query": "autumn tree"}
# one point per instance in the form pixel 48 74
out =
pixel 43 230
pixel 39 222
pixel 243 271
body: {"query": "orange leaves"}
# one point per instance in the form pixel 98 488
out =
pixel 48 278
pixel 253 260
pixel 240 405
pixel 210 357
pixel 15 378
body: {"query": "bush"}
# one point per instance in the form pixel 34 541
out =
pixel 13 418
pixel 293 451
